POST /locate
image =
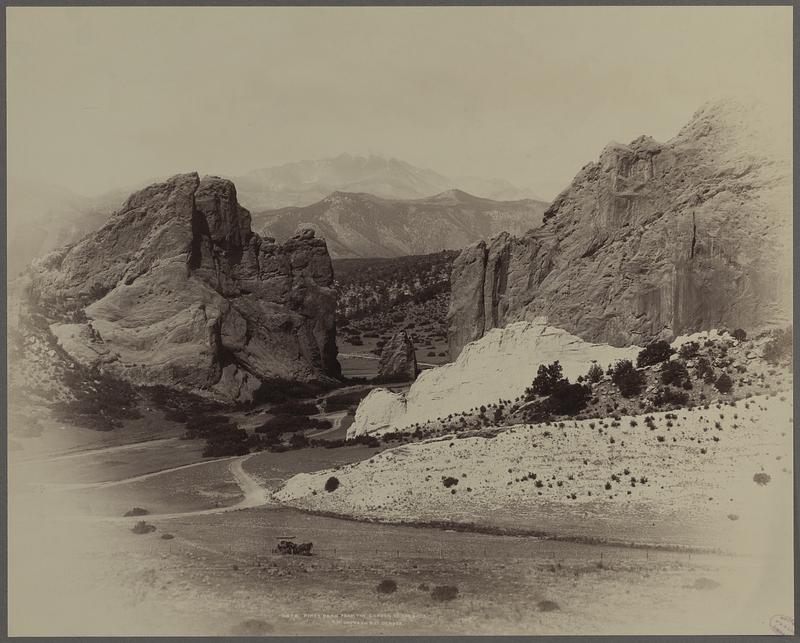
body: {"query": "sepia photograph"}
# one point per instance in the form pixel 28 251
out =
pixel 399 320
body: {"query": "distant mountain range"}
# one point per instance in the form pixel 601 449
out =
pixel 42 217
pixel 364 225
pixel 306 182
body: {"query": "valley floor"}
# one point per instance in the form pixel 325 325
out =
pixel 72 554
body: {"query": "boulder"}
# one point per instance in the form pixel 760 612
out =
pixel 288 548
pixel 649 242
pixel 177 290
pixel 398 360
pixel 377 413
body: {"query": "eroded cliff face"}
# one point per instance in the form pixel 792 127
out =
pixel 651 241
pixel 176 289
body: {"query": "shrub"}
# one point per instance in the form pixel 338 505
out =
pixel 444 592
pixel 292 424
pixel 547 377
pixel 724 383
pixel 668 396
pixel 675 373
pixel 762 479
pixel 136 511
pixel 654 353
pixel 366 440
pixel 282 390
pixel 228 445
pixel 298 441
pixel 449 481
pixel 223 437
pixel 204 426
pixel 739 334
pixel 547 606
pixel 703 367
pixel 100 401
pixel 628 380
pixel 595 373
pixel 779 348
pixel 386 586
pixel 331 484
pixel 567 399
pixel 688 350
pixel 294 408
pixel 142 527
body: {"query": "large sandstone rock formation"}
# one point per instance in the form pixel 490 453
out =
pixel 176 289
pixel 651 241
pixel 398 360
pixel 500 365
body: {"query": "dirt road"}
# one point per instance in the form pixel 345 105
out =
pixel 375 357
pixel 100 451
pixel 254 495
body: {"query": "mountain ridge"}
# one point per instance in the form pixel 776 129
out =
pixel 357 224
pixel 303 183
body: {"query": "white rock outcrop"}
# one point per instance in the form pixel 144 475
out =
pixel 500 365
pixel 377 413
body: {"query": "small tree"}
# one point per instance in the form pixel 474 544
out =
pixel 331 484
pixel 739 334
pixel 689 350
pixel 703 367
pixel 724 383
pixel 668 396
pixel 547 377
pixel 298 441
pixel 779 347
pixel 628 380
pixel 654 353
pixel 595 373
pixel 675 373
pixel 567 399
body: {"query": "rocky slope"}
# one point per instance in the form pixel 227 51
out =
pixel 710 477
pixel 498 366
pixel 651 241
pixel 364 225
pixel 306 182
pixel 176 289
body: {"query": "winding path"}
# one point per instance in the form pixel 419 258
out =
pixel 337 418
pixel 139 478
pixel 100 451
pixel 254 495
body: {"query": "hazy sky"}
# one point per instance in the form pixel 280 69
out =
pixel 106 97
